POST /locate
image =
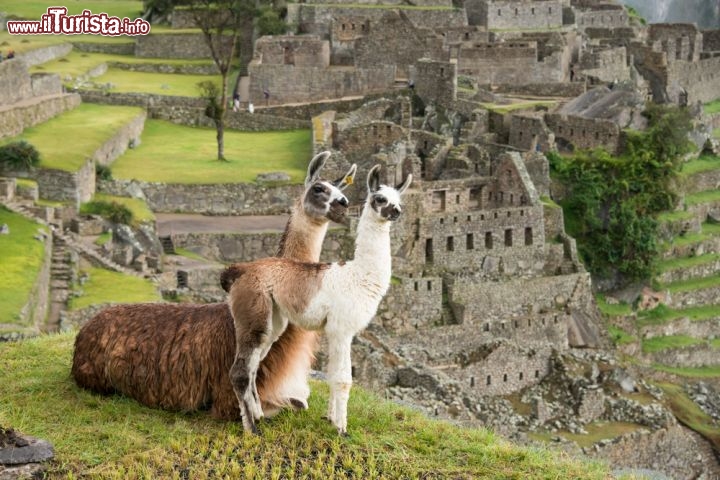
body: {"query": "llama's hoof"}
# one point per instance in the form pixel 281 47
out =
pixel 298 404
pixel 343 433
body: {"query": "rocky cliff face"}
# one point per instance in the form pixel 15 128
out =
pixel 706 13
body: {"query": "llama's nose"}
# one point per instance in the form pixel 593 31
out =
pixel 343 201
pixel 395 213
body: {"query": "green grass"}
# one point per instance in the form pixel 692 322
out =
pixel 716 133
pixel 675 216
pixel 600 431
pixel 686 262
pixel 518 106
pixel 658 344
pixel 697 372
pixel 114 437
pixel 103 238
pixel 21 258
pixel 620 336
pixel 713 107
pixel 104 286
pixel 709 230
pixel 616 310
pixel 66 141
pixel 25 43
pixel 689 414
pixel 693 284
pixel 126 81
pixel 183 252
pixel 78 63
pixel 662 314
pixel 178 154
pixel 140 210
pixel 703 163
pixel 707 196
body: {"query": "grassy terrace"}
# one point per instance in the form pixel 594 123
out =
pixel 709 230
pixel 105 286
pixel 140 211
pixel 658 344
pixel 114 437
pixel 687 262
pixel 706 196
pixel 78 63
pixel 613 310
pixel 675 216
pixel 511 107
pixel 620 336
pixel 688 372
pixel 662 314
pixel 22 257
pixel 693 284
pixel 703 163
pixel 25 43
pixel 713 107
pixel 177 154
pixel 62 147
pixel 690 414
pixel 126 81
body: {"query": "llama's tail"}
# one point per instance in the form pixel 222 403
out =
pixel 230 274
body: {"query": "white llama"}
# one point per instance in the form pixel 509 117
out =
pixel 340 298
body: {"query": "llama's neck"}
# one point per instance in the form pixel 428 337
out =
pixel 303 236
pixel 372 246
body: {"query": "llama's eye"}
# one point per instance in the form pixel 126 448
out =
pixel 381 200
pixel 318 189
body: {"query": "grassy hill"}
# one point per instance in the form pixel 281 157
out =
pixel 114 437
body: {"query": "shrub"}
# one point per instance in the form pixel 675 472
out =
pixel 112 211
pixel 19 155
pixel 103 172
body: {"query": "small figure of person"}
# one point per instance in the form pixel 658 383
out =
pixel 251 108
pixel 266 94
pixel 236 102
pixel 411 84
pixel 572 73
pixel 11 54
pixel 4 229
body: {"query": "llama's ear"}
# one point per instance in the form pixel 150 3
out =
pixel 404 186
pixel 373 179
pixel 315 166
pixel 346 180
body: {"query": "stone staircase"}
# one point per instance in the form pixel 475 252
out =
pixel 167 245
pixel 62 277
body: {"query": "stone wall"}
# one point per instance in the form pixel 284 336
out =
pixel 564 89
pixel 174 45
pixel 61 186
pixel 606 65
pixel 298 50
pixel 436 81
pixel 602 16
pixel 244 247
pixel 700 79
pixel 696 297
pixel 15 83
pixel 318 18
pixel 242 120
pixel 394 40
pixel 367 138
pixel 189 69
pixel 706 269
pixel 514 14
pixel 146 100
pixel 124 48
pixel 218 199
pixel 41 55
pixel 15 119
pixel 293 84
pixel 116 146
pixel 695 356
pixel 711 40
pixel 584 133
pixel 529 132
pixel 512 62
pixel 411 303
pixel 34 312
pixel 682 326
pixel 45 84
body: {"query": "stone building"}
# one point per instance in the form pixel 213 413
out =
pixel 515 14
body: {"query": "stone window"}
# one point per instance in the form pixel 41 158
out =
pixel 442 72
pixel 482 217
pixel 455 218
pixel 509 212
pixel 522 212
pixel 572 132
pixel 488 240
pixel 438 200
pixel 388 128
pixel 495 214
pixel 442 220
pixel 520 376
pixel 467 35
pixel 489 379
pixel 490 196
pixel 504 377
pixel 537 373
pixel 343 26
pixel 508 237
pixel 363 27
pixel 516 12
pixel 469 218
pixel 429 285
pixel 353 26
pixel 549 11
pixel 532 10
pixel 515 323
pixel 472 381
pixel 457 198
pixel 520 136
pixel 499 12
pixel 428 250
pixel 450 244
pixel 487 327
pixel 502 195
pixel 528 236
pixel 469 242
pixel 416 286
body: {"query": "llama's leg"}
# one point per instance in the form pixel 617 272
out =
pixel 252 313
pixel 340 379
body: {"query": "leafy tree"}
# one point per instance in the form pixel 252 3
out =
pixel 614 200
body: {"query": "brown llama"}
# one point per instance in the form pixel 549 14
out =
pixel 178 356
